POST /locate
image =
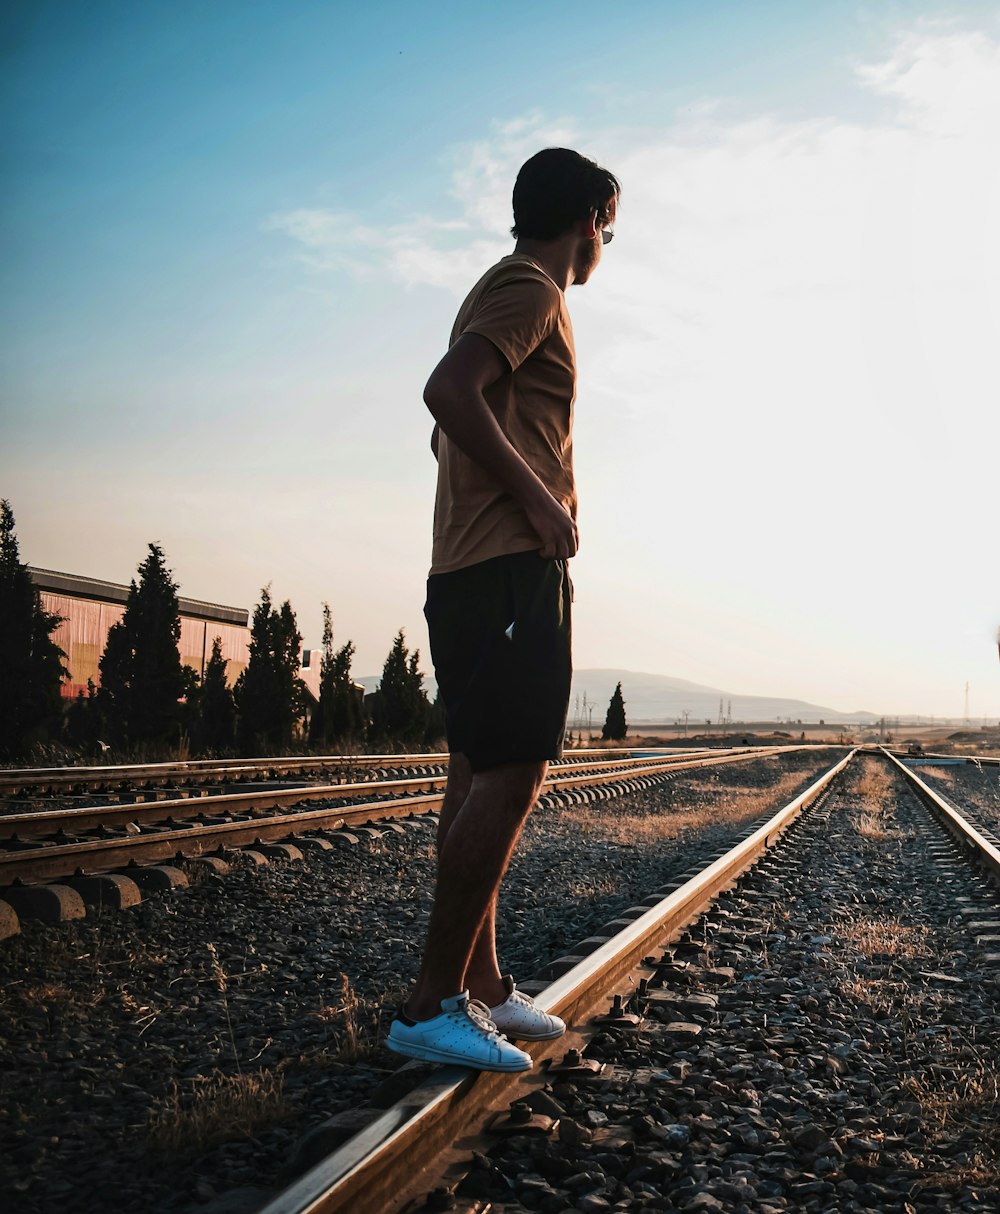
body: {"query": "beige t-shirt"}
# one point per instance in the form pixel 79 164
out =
pixel 517 307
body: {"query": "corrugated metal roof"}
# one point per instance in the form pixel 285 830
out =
pixel 111 592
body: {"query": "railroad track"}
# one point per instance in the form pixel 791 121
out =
pixel 389 1165
pixel 142 782
pixel 119 842
pixel 137 779
pixel 931 757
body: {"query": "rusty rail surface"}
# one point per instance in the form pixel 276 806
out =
pixel 368 1174
pixel 194 771
pixel 158 838
pixel 200 771
pixel 46 821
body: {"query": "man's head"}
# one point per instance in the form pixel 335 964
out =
pixel 556 188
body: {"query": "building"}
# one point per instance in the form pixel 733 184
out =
pixel 88 607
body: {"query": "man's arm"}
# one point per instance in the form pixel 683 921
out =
pixel 454 395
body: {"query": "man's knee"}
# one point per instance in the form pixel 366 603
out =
pixel 514 786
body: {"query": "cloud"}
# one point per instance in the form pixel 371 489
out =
pixel 768 271
pixel 449 253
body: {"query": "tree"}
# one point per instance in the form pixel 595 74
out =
pixel 615 725
pixel 348 718
pixel 114 699
pixel 213 715
pixel 269 693
pixel 142 679
pixel 337 717
pixel 31 669
pixel 83 720
pixel 400 709
pixel 321 721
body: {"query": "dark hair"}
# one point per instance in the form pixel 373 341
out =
pixel 557 187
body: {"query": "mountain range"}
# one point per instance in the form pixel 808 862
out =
pixel 660 699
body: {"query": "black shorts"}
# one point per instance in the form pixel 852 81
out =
pixel 500 641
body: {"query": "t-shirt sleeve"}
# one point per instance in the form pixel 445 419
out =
pixel 516 315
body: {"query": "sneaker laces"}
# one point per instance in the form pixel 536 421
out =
pixel 479 1014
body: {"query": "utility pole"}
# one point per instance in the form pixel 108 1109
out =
pixel 966 701
pixel 687 713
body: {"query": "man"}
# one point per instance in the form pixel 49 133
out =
pixel 498 597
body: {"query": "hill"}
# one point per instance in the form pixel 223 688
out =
pixel 660 699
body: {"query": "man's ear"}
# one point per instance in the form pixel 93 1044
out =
pixel 587 228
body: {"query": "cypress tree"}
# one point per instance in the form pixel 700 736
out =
pixel 269 693
pixel 337 717
pixel 142 679
pixel 31 669
pixel 348 717
pixel 83 720
pixel 615 725
pixel 401 707
pixel 114 698
pixel 214 714
pixel 321 721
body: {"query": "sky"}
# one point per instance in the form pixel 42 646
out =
pixel 234 238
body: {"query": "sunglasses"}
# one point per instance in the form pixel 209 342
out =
pixel 607 235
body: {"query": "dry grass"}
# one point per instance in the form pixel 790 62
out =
pixel 941 774
pixel 873 782
pixel 733 807
pixel 41 996
pixel 214 1108
pixel 874 786
pixel 970 1101
pixel 221 979
pixel 595 886
pixel 882 995
pixel 973 1095
pixel 885 937
pixel 354 1023
pixel 52 999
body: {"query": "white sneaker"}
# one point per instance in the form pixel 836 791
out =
pixel 462 1035
pixel 518 1017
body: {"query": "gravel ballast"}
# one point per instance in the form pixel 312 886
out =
pixel 825 1039
pixel 158 1058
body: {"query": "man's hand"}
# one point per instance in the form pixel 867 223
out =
pixel 555 527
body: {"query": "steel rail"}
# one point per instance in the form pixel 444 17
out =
pixel 148 813
pixel 48 861
pixel 973 760
pixel 978 848
pixel 363 1176
pixel 714 758
pixel 14 779
pixel 194 771
pixel 39 823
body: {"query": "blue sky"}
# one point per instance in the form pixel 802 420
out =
pixel 235 236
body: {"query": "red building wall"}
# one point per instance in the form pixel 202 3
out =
pixel 88 608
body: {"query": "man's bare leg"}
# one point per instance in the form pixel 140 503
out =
pixel 475 842
pixel 482 978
